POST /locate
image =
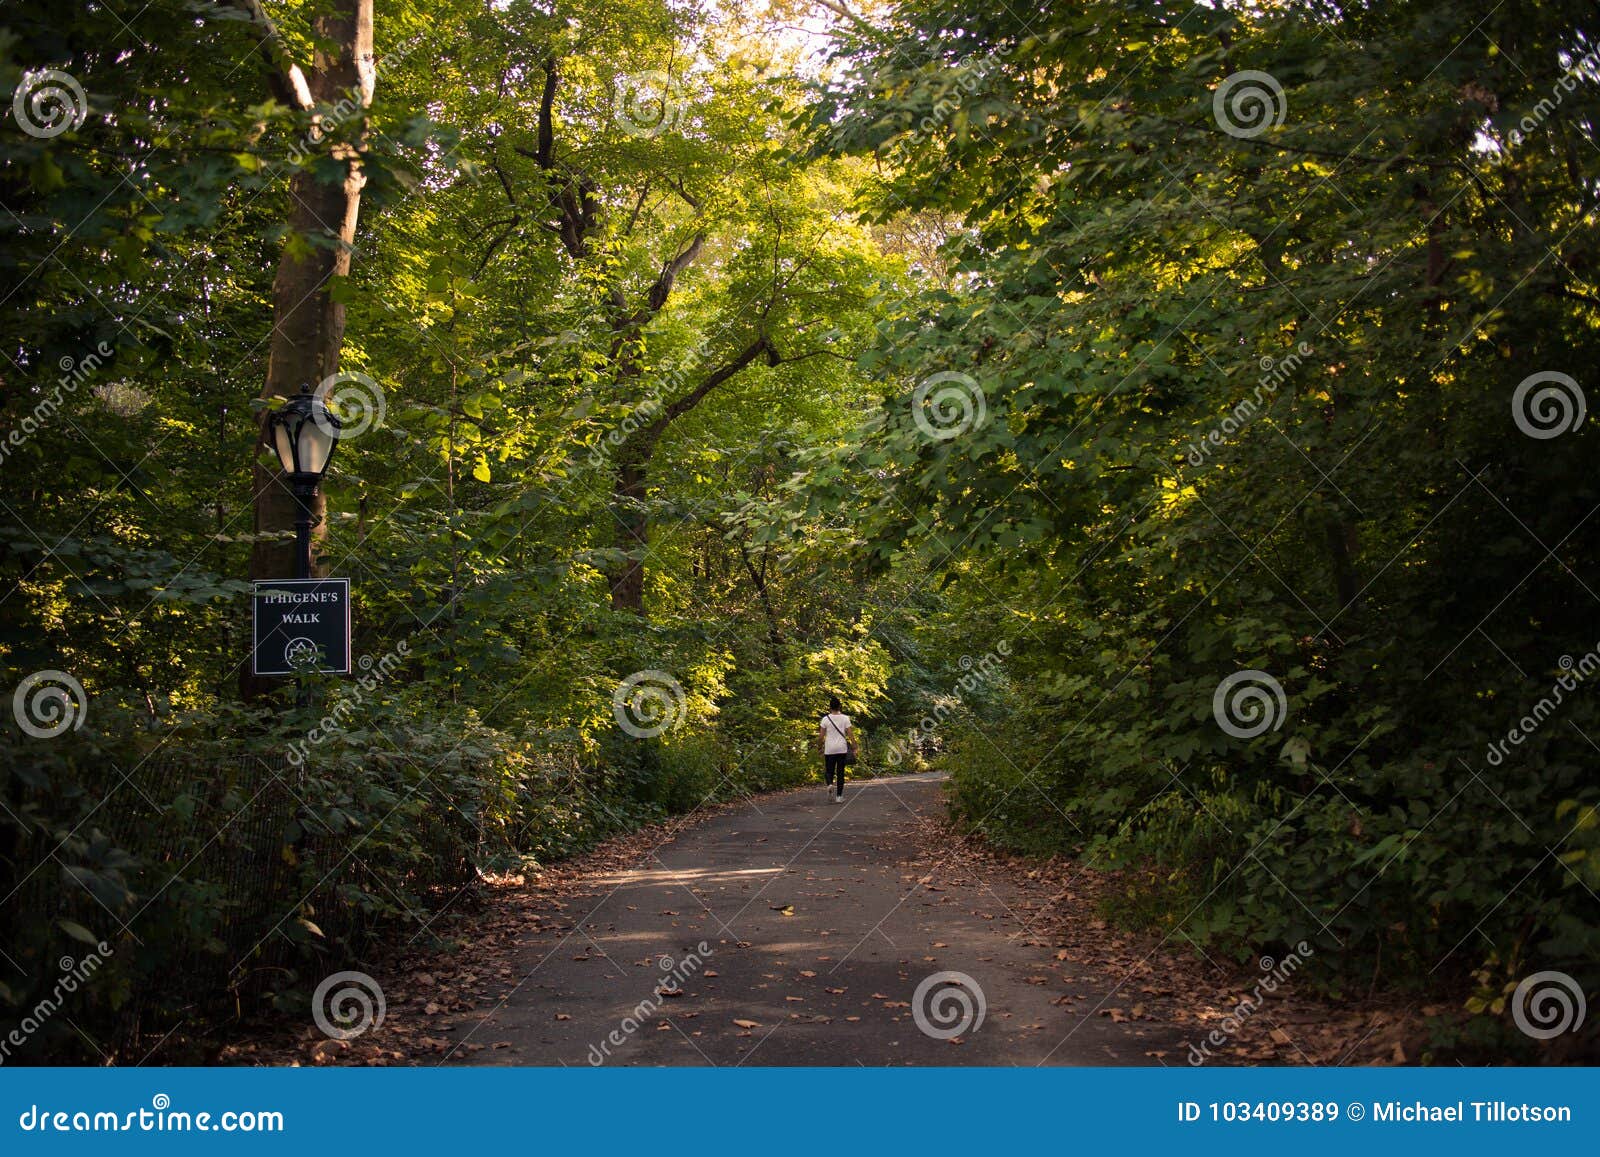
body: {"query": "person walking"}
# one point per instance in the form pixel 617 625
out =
pixel 838 747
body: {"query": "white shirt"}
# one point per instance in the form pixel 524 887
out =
pixel 834 729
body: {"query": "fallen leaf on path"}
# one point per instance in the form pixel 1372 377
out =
pixel 748 1023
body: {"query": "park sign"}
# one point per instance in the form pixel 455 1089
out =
pixel 301 625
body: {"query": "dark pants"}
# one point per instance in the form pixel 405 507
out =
pixel 833 765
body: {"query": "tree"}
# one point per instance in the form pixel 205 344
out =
pixel 308 316
pixel 1252 303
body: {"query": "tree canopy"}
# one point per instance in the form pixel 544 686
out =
pixel 1169 418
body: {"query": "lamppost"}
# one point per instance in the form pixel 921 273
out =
pixel 304 433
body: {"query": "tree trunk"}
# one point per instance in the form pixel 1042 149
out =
pixel 633 462
pixel 633 532
pixel 307 324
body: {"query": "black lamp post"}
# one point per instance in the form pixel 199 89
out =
pixel 304 433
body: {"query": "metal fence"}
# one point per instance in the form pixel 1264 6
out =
pixel 229 870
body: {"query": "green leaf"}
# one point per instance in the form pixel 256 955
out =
pixel 77 931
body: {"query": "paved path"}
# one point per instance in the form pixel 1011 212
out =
pixel 818 933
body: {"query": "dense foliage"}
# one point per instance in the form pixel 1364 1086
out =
pixel 1040 382
pixel 509 335
pixel 1252 365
